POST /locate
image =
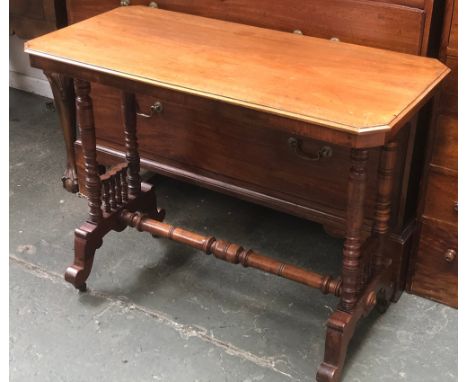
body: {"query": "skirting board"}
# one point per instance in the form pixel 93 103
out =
pixel 30 84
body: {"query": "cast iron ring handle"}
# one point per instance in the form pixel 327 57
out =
pixel 156 108
pixel 296 145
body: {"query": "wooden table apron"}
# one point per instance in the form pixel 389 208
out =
pixel 118 199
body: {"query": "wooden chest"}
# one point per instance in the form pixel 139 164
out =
pixel 33 18
pixel 434 270
pixel 279 173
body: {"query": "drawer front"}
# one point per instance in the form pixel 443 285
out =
pixel 449 97
pixel 435 273
pixel 233 145
pixel 442 196
pixel 379 24
pixel 445 151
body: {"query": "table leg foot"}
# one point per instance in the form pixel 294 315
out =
pixel 86 244
pixel 70 180
pixel 339 332
pixel 341 324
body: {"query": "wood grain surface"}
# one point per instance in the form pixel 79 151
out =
pixel 337 85
pixel 397 25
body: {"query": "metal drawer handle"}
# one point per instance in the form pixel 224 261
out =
pixel 450 255
pixel 455 207
pixel 126 3
pixel 296 145
pixel 335 39
pixel 156 108
pixel 298 31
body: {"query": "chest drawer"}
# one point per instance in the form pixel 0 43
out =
pixel 436 266
pixel 449 98
pixel 441 201
pixel 445 151
pixel 235 147
pixel 387 25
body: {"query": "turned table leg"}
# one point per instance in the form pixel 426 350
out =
pixel 86 238
pixel 62 89
pixel 351 269
pixel 128 106
pixel 388 158
pixel 361 292
pixel 383 203
pixel 129 115
pixel 340 325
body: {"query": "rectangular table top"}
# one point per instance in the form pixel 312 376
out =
pixel 340 86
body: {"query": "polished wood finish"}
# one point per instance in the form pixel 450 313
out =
pixel 89 236
pixel 232 253
pixel 341 326
pixel 436 269
pixel 452 47
pixel 85 118
pixel 30 19
pixel 383 203
pixel 133 157
pixel 445 151
pixel 409 26
pixel 441 201
pixel 449 102
pixel 115 202
pixel 64 98
pixel 395 25
pixel 433 270
pixel 351 273
pixel 234 63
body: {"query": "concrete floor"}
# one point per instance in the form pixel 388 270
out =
pixel 158 311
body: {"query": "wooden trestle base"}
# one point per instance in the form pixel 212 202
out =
pixel 120 210
pixel 119 199
pixel 89 236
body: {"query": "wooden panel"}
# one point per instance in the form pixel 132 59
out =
pixel 445 152
pixel 435 277
pixel 449 98
pixel 29 19
pixel 221 147
pixel 442 195
pixel 409 3
pixel 28 9
pixel 452 49
pixel 303 78
pixel 377 24
pixel 220 150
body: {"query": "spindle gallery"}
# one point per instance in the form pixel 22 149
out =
pixel 374 105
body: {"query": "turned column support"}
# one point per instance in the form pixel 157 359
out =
pixel 388 158
pixel 231 252
pixel 64 99
pixel 84 109
pixel 128 108
pixel 352 267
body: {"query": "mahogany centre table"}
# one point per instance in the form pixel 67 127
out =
pixel 346 95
